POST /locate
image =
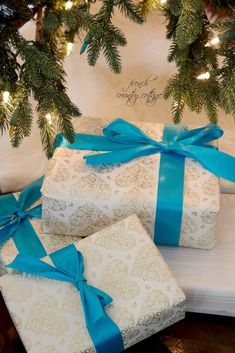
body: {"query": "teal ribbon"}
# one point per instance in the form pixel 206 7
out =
pixel 170 195
pixel 123 142
pixel 69 267
pixel 14 219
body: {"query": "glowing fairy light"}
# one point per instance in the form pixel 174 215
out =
pixel 5 97
pixel 68 5
pixel 213 42
pixel 49 118
pixel 204 76
pixel 163 2
pixel 69 48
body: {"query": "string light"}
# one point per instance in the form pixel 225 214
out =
pixel 213 42
pixel 49 118
pixel 68 5
pixel 204 76
pixel 69 48
pixel 5 97
pixel 163 2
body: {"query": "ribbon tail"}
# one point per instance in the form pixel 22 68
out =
pixel 34 266
pixel 27 241
pixel 104 298
pixel 89 143
pixel 217 162
pixel 122 156
pixel 103 331
pixel 30 194
pixel 106 336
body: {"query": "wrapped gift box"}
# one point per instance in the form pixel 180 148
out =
pixel 122 261
pixel 79 199
pixel 50 242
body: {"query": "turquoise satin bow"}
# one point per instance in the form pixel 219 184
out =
pixel 14 219
pixel 124 142
pixel 69 267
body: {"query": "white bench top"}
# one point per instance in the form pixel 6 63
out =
pixel 208 276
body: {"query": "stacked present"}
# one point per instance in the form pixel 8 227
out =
pixel 88 277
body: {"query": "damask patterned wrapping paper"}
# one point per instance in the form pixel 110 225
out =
pixel 80 199
pixel 50 242
pixel 120 260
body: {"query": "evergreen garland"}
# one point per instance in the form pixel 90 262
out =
pixel 206 70
pixel 190 33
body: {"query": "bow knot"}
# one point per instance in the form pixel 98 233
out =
pixel 80 280
pixel 20 215
pixel 165 146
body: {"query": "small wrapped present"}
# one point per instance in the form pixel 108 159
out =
pixel 176 199
pixel 16 213
pixel 102 294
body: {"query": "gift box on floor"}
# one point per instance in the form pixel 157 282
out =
pixel 79 199
pixel 121 261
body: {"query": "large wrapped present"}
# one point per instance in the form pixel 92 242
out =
pixel 80 199
pixel 102 294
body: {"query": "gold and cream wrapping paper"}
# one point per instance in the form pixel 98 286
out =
pixel 80 199
pixel 120 260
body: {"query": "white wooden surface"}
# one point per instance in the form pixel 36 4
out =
pixel 208 276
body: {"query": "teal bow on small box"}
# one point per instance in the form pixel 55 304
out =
pixel 123 142
pixel 14 219
pixel 69 267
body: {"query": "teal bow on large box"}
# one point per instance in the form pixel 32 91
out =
pixel 125 143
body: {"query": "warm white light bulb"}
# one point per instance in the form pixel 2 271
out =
pixel 6 97
pixel 68 5
pixel 49 118
pixel 213 42
pixel 204 76
pixel 69 48
pixel 163 2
